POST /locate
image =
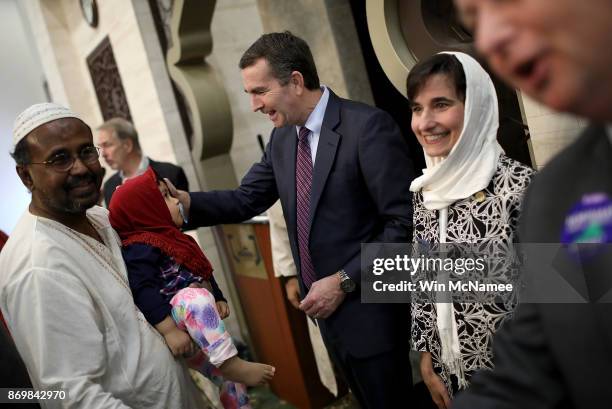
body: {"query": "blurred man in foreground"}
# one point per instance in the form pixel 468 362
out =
pixel 557 52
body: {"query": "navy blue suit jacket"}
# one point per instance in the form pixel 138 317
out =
pixel 360 194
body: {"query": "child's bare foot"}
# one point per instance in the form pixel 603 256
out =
pixel 249 373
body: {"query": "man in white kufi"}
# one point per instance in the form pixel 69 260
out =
pixel 63 285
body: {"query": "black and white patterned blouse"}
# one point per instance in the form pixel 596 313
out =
pixel 493 219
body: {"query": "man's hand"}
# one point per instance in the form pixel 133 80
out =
pixel 180 343
pixel 434 383
pixel 223 309
pixel 292 287
pixel 181 195
pixel 323 297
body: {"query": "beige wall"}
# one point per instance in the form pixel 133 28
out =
pixel 235 26
pixel 550 131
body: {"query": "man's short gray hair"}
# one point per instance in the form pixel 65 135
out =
pixel 122 129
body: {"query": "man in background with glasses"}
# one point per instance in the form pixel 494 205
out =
pixel 63 285
pixel 120 148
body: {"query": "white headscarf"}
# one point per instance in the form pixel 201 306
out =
pixel 472 162
pixel 468 168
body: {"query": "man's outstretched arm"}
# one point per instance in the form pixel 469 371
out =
pixel 256 193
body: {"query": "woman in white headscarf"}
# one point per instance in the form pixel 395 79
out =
pixel 470 192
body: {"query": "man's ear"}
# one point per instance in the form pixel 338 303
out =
pixel 297 80
pixel 129 145
pixel 24 174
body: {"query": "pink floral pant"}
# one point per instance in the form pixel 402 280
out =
pixel 194 311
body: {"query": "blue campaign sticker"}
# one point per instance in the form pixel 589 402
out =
pixel 587 233
pixel 589 221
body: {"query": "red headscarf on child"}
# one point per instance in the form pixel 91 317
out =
pixel 138 212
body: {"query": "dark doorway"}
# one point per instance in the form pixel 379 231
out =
pixel 386 97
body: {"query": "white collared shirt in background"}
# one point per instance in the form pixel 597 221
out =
pixel 144 164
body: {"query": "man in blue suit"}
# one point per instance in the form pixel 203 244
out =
pixel 342 171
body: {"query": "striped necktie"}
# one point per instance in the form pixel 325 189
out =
pixel 303 183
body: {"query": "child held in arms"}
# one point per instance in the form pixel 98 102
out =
pixel 172 283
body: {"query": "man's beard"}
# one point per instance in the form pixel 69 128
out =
pixel 79 205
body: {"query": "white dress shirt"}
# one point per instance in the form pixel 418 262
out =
pixel 314 122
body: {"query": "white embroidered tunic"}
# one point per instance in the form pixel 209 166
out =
pixel 68 305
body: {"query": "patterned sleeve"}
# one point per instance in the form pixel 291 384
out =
pixel 521 177
pixel 422 328
pixel 423 314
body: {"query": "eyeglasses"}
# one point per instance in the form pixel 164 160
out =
pixel 63 162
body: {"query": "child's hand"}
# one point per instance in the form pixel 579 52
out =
pixel 292 288
pixel 205 284
pixel 180 343
pixel 223 309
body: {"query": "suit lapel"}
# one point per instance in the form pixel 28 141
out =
pixel 326 152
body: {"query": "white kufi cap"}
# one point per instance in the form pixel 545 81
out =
pixel 37 115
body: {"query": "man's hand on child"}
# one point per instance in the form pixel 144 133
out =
pixel 181 195
pixel 223 309
pixel 180 343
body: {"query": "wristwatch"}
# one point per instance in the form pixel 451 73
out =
pixel 347 285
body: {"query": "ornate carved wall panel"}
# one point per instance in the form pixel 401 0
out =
pixel 107 82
